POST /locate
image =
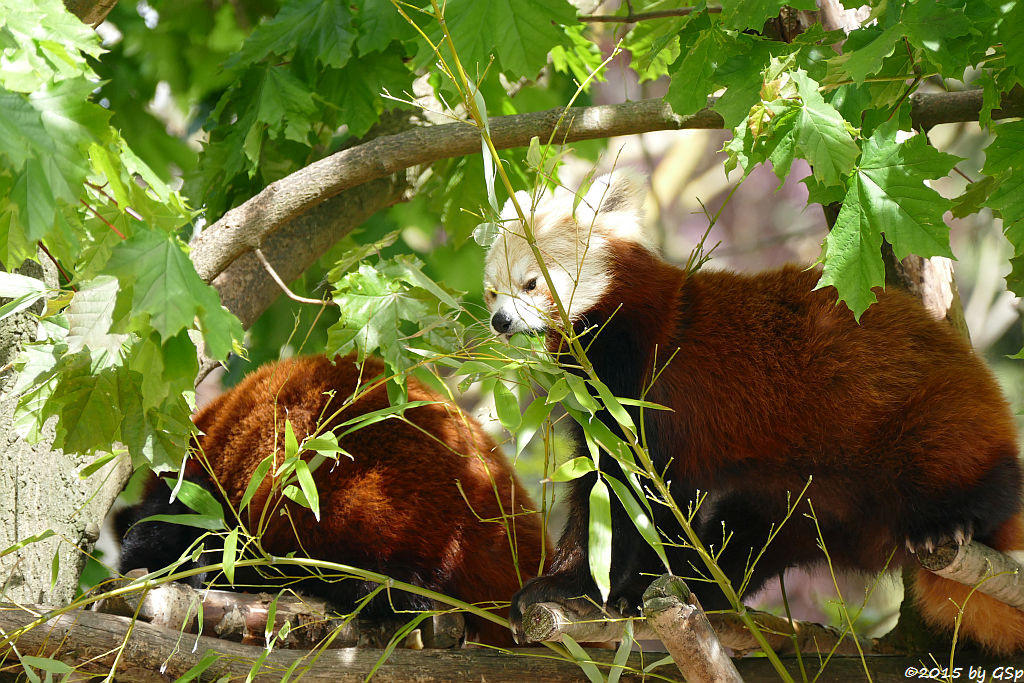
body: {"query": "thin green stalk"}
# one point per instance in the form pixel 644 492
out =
pixel 580 354
pixel 835 583
pixel 792 627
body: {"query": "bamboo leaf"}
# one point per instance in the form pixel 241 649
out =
pixel 600 538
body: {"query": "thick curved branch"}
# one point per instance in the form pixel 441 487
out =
pixel 249 225
pixel 91 12
pixel 246 226
pixel 245 287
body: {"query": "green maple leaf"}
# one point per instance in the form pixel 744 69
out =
pixel 994 83
pixel 654 46
pixel 1006 150
pixel 740 72
pixel 157 438
pixel 33 195
pixel 154 270
pixel 389 308
pixel 974 197
pixel 819 193
pixel 285 105
pixel 1011 34
pixel 703 47
pixel 798 122
pixel 853 260
pixel 1015 236
pixel 90 317
pixel 861 59
pixel 711 58
pixel 43 43
pixel 379 23
pixel 580 56
pixel 373 312
pixel 87 405
pixel 314 29
pixel 37 367
pixel 72 123
pixel 1008 197
pixel 521 32
pixel 268 99
pixel 163 286
pixel 43 136
pixel 357 89
pixel 147 358
pixel 822 135
pixel 21 128
pixel 1004 164
pixel 932 26
pixel 887 194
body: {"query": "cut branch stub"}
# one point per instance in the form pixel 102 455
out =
pixel 994 573
pixel 676 615
pixel 581 621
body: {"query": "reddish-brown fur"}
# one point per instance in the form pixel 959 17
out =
pixel 397 504
pixel 904 430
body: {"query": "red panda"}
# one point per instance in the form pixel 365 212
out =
pixel 904 430
pixel 420 500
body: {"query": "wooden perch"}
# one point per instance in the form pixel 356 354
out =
pixel 584 622
pixel 110 644
pixel 974 564
pixel 242 617
pixel 674 613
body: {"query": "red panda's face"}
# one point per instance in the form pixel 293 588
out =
pixel 519 299
pixel 575 241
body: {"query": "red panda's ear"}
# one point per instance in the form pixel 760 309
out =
pixel 621 191
pixel 508 212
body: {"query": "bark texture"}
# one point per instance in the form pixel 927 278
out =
pixel 40 489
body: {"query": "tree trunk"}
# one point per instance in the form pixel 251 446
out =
pixel 40 489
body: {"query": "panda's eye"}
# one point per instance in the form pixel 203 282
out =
pixel 531 285
pixel 489 293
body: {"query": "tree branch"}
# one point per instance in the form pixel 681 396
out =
pixel 246 226
pixel 247 289
pixel 249 225
pixel 93 642
pixel 549 621
pixel 91 12
pixel 242 617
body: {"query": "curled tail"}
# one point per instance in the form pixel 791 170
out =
pixel 994 625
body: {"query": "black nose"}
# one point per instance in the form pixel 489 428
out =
pixel 501 322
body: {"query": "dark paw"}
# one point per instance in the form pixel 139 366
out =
pixel 928 542
pixel 558 588
pixel 628 599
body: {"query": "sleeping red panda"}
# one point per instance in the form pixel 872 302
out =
pixel 904 430
pixel 420 500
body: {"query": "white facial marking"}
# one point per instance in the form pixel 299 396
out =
pixel 576 248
